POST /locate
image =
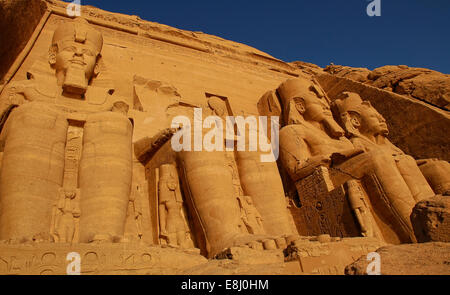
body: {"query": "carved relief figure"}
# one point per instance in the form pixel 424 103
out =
pixel 67 218
pixel 312 139
pixel 133 227
pixel 250 215
pixel 360 208
pixel 172 222
pixel 35 136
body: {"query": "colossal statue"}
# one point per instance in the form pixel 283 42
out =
pixel 41 162
pixel 367 130
pixel 312 139
pixel 216 186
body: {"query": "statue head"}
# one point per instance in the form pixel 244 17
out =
pixel 74 53
pixel 303 100
pixel 217 105
pixel 120 107
pixel 358 116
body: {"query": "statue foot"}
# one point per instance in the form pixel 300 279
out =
pixel 101 239
pixel 260 242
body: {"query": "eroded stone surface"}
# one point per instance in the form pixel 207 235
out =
pixel 408 259
pixel 86 142
pixel 431 220
pixel 19 18
pixel 418 83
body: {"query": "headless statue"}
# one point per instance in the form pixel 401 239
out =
pixel 213 187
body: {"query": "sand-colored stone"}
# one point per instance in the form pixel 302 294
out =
pixel 88 163
pixel 430 219
pixel 420 130
pixel 18 21
pixel 357 74
pixel 319 256
pixel 408 259
pixel 312 139
pixel 423 84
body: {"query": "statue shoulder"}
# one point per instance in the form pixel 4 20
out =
pixel 16 91
pixel 294 130
pixel 20 92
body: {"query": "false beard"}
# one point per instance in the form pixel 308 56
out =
pixel 75 80
pixel 332 128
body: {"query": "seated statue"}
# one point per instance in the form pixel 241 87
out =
pixel 312 139
pixel 218 194
pixel 367 130
pixel 41 162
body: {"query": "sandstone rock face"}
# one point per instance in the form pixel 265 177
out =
pixel 357 74
pixel 323 255
pixel 19 18
pixel 427 85
pixel 423 84
pixel 307 68
pixel 112 149
pixel 431 220
pixel 408 259
pixel 424 128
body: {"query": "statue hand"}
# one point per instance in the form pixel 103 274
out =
pixel 339 157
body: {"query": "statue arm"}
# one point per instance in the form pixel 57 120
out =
pixel 146 147
pixel 296 156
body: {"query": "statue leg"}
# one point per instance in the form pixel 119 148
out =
pixel 437 173
pixel 32 170
pixel 414 178
pixel 210 186
pixel 261 181
pixel 105 176
pixel 181 238
pixel 400 199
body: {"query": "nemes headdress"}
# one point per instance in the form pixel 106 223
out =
pixel 79 31
pixel 293 89
pixel 348 102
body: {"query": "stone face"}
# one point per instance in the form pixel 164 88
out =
pixel 424 128
pixel 431 220
pixel 408 259
pixel 112 145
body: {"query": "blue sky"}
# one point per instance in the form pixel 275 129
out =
pixel 411 32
